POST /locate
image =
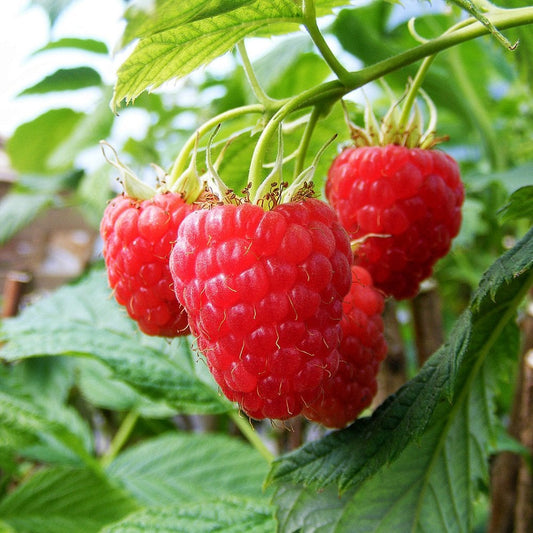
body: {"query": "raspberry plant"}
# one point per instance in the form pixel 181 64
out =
pixel 147 432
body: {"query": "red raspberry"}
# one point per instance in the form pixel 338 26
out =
pixel 410 196
pixel 138 237
pixel 263 291
pixel 361 350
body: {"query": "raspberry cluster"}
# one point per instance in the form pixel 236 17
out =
pixel 138 237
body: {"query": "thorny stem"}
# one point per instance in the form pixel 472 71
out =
pixel 250 433
pixel 122 435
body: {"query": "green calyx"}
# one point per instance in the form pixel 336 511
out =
pixel 401 125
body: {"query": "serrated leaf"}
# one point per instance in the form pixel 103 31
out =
pixel 23 423
pixel 177 51
pixel 18 209
pixel 84 320
pixel 89 45
pixel 160 15
pixel 99 388
pixel 226 515
pixel 416 464
pixel 32 142
pixel 520 205
pixel 65 79
pixel 63 499
pixel 187 468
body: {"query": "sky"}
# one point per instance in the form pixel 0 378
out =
pixel 25 28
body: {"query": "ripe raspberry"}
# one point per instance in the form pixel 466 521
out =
pixel 410 196
pixel 361 351
pixel 263 291
pixel 138 237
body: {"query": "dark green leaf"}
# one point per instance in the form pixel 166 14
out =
pixel 89 45
pixel 33 142
pixel 187 468
pixel 64 79
pixel 417 462
pixel 226 515
pixel 84 319
pixel 63 499
pixel 520 205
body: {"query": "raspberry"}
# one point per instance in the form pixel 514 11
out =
pixel 410 197
pixel 263 291
pixel 138 237
pixel 361 351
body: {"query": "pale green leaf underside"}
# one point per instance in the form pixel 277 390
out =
pixel 188 467
pixel 227 515
pixel 84 319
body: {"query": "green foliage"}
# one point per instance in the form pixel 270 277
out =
pixel 152 366
pixel 417 463
pixel 65 499
pixel 227 515
pixel 105 429
pixel 66 80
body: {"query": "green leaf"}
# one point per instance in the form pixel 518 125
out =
pixel 188 468
pixel 65 79
pixel 416 464
pixel 18 209
pixel 227 515
pixel 520 205
pixel 144 21
pixel 89 45
pixel 33 142
pixel 24 423
pixel 179 49
pixel 99 388
pixel 84 320
pixel 57 500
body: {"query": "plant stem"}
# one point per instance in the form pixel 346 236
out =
pixel 121 436
pixel 413 92
pixel 257 89
pixel 249 432
pixel 315 34
pixel 306 139
pixel 334 90
pixel 180 164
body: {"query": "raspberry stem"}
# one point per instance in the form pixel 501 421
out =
pixel 121 437
pixel 260 94
pixel 180 164
pixel 305 140
pixel 311 26
pixel 246 428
